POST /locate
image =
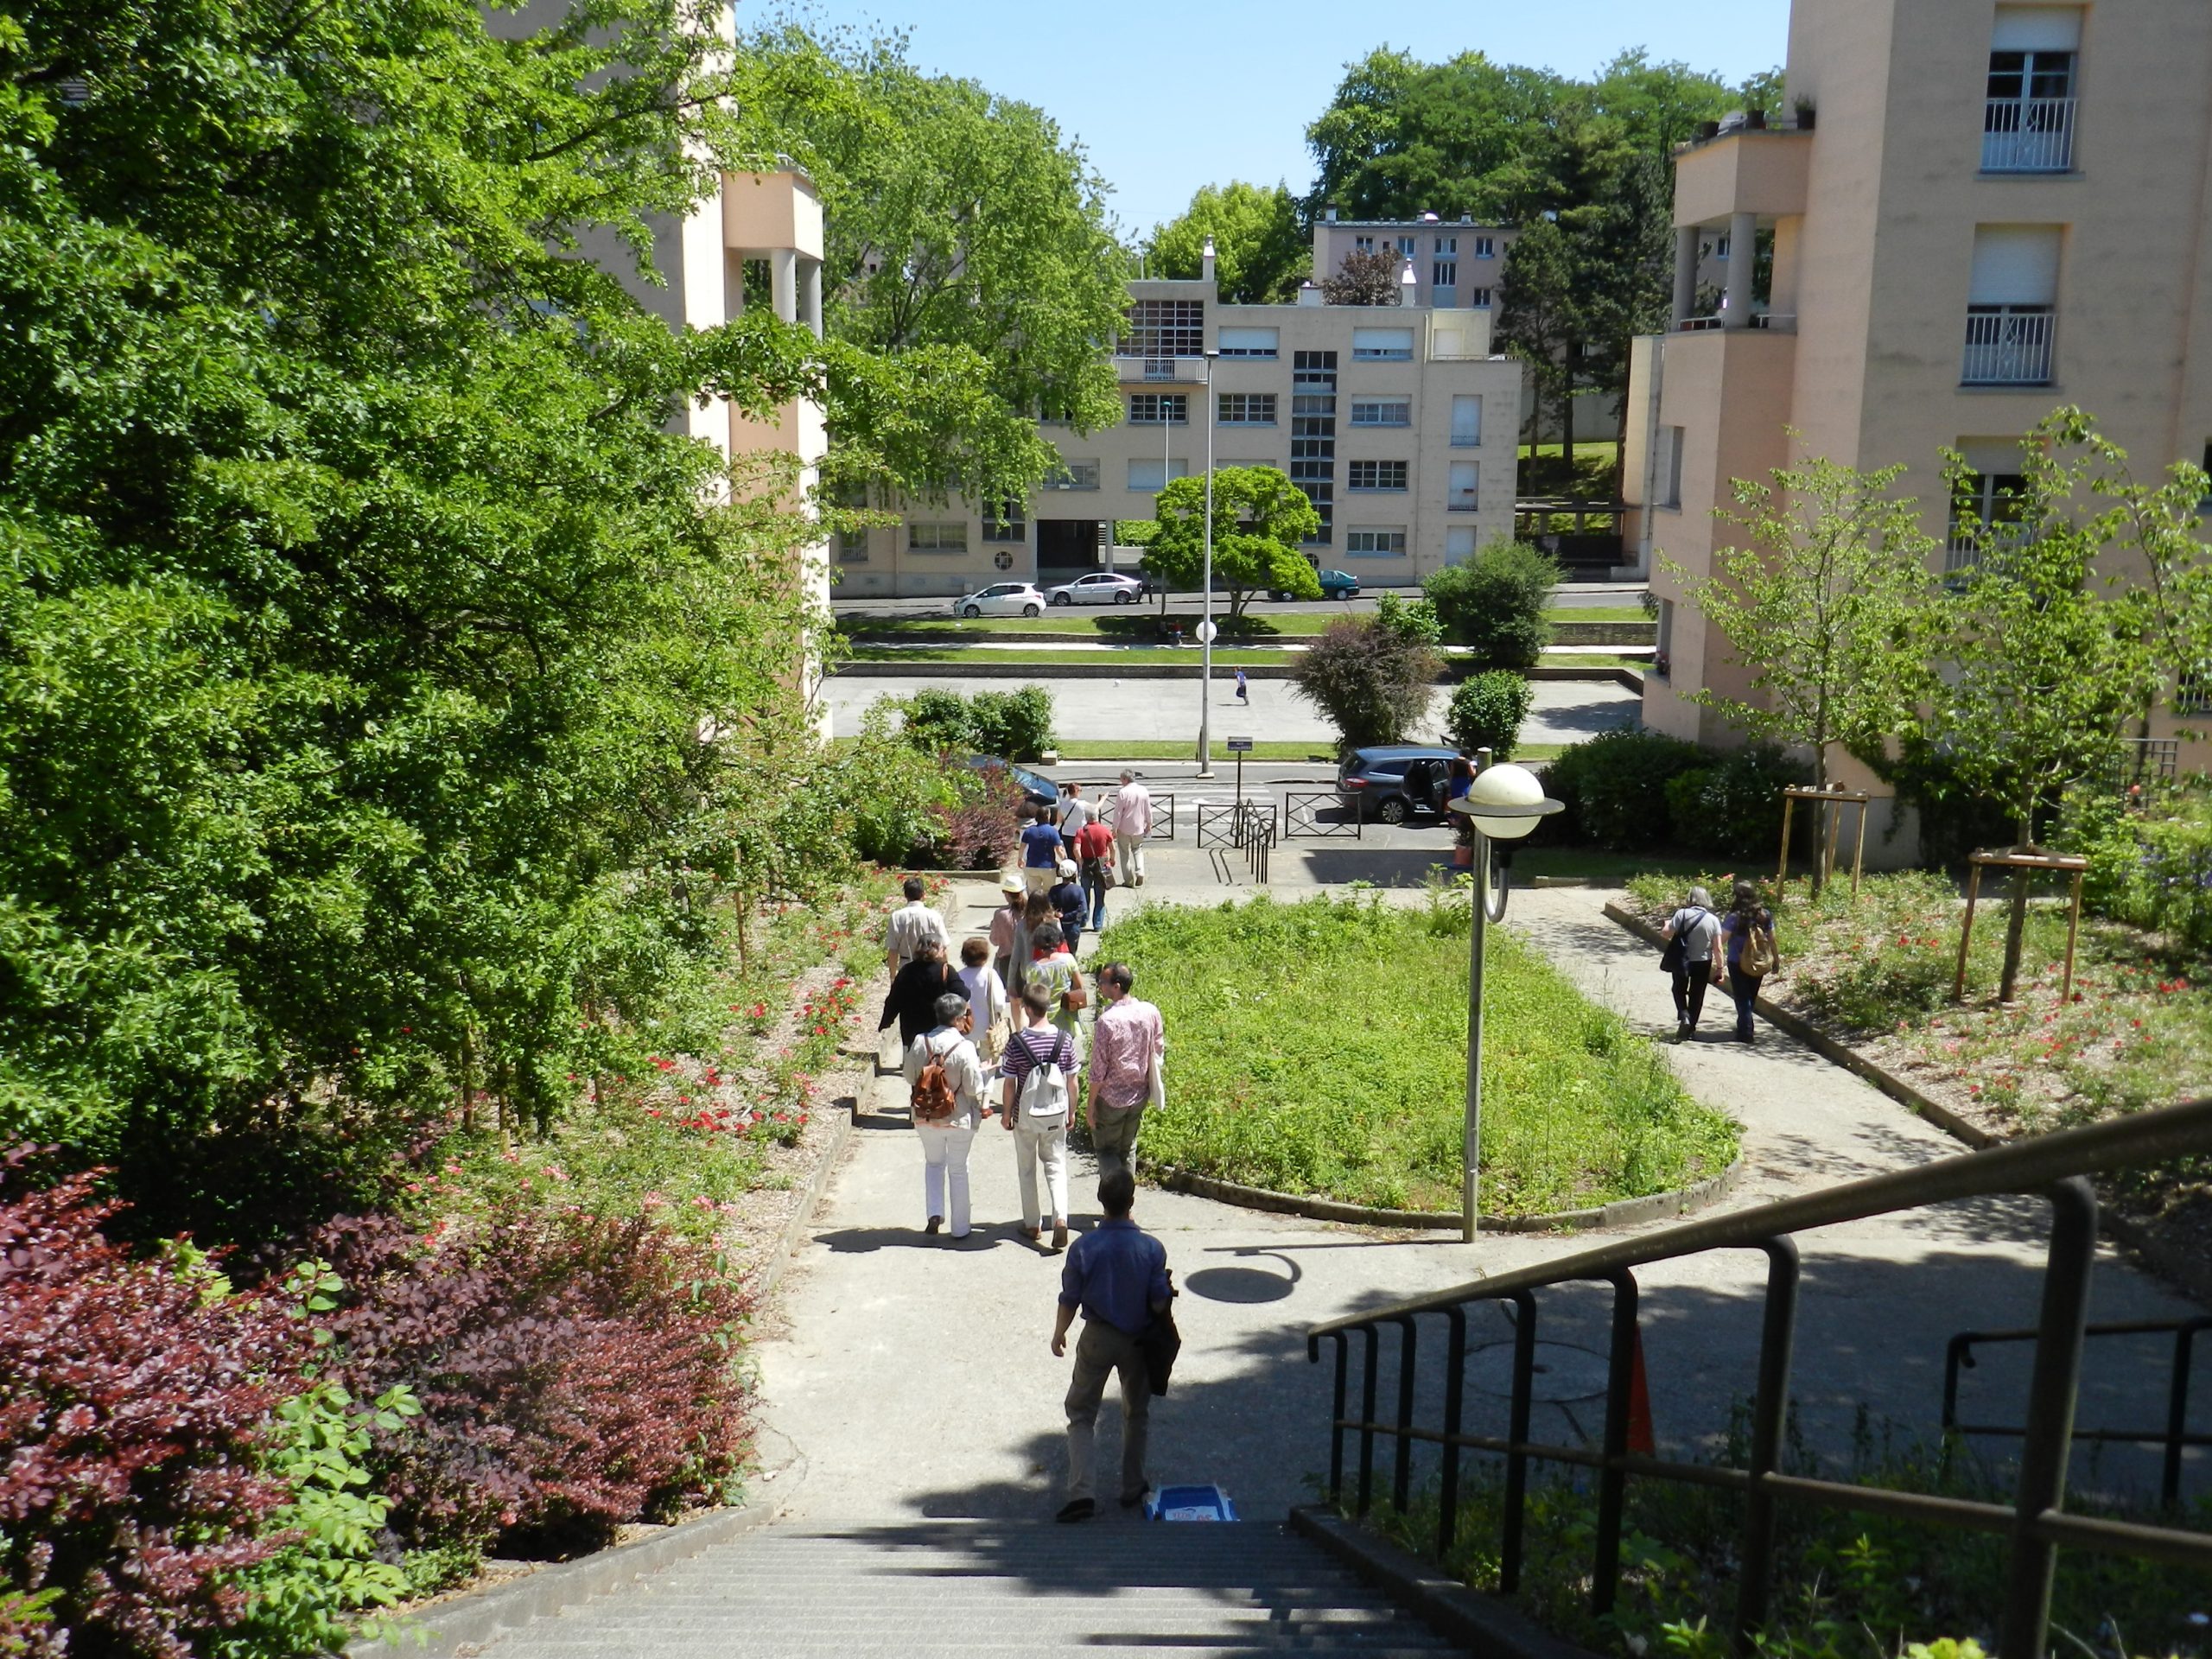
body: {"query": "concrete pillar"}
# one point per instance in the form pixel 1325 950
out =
pixel 810 297
pixel 1743 261
pixel 1685 275
pixel 783 283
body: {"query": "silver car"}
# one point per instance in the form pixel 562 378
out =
pixel 1002 599
pixel 1100 587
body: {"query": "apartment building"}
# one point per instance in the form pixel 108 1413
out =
pixel 1977 212
pixel 1397 421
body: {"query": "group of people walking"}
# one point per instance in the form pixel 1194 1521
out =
pixel 1701 944
pixel 1001 1036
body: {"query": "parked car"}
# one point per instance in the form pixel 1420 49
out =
pixel 1002 599
pixel 1335 584
pixel 1395 783
pixel 1041 789
pixel 1100 587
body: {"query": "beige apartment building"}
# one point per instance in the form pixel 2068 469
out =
pixel 1398 421
pixel 1978 211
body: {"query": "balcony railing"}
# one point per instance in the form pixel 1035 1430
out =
pixel 2027 135
pixel 1464 501
pixel 2008 345
pixel 1778 322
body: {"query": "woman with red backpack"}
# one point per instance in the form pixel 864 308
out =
pixel 946 1078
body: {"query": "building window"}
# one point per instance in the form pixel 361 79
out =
pixel 1150 475
pixel 1671 466
pixel 1464 487
pixel 1443 273
pixel 1166 328
pixel 1006 523
pixel 1480 298
pixel 1247 408
pixel 1663 661
pixel 1313 435
pixel 2027 123
pixel 1368 544
pixel 1458 543
pixel 1382 411
pixel 1248 342
pixel 936 539
pixel 1075 475
pixel 1375 475
pixel 1986 509
pixel 1406 245
pixel 1485 248
pixel 1720 247
pixel 1363 245
pixel 1466 420
pixel 1381 345
pixel 1446 246
pixel 1160 409
pixel 852 547
pixel 2193 692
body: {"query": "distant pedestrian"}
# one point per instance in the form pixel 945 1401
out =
pixel 1052 967
pixel 1132 823
pixel 1117 1276
pixel 1748 929
pixel 1075 813
pixel 1039 1068
pixel 1692 956
pixel 1127 1043
pixel 1069 901
pixel 1243 691
pixel 1010 933
pixel 986 996
pixel 909 925
pixel 914 993
pixel 947 1082
pixel 1094 863
pixel 1040 850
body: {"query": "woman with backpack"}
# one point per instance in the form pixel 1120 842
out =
pixel 1039 1065
pixel 947 1084
pixel 1748 930
pixel 1693 957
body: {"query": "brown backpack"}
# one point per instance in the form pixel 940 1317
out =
pixel 934 1099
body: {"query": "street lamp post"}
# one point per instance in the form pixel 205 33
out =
pixel 1502 803
pixel 1206 597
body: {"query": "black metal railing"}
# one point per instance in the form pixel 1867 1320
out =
pixel 1302 810
pixel 2173 1438
pixel 2035 1524
pixel 1163 816
pixel 1257 836
pixel 1229 824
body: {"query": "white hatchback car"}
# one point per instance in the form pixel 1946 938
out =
pixel 1002 599
pixel 1100 587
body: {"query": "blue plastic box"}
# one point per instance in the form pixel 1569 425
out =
pixel 1207 1503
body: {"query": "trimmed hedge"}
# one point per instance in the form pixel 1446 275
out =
pixel 1637 792
pixel 1487 711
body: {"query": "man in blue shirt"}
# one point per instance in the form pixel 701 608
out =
pixel 1117 1276
pixel 1041 852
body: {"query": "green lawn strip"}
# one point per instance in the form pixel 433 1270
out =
pixel 1044 656
pixel 1120 625
pixel 1596 662
pixel 1590 862
pixel 644 1136
pixel 1317 1048
pixel 2137 1031
pixel 1116 748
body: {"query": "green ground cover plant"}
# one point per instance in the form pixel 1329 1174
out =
pixel 1318 1047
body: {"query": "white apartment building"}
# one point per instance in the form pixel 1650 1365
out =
pixel 1979 212
pixel 1398 422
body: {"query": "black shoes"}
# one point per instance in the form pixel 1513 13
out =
pixel 936 1221
pixel 1077 1509
pixel 1130 1500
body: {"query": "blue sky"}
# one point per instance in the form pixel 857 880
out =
pixel 1166 96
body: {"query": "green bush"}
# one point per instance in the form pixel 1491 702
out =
pixel 1372 681
pixel 1487 711
pixel 894 791
pixel 1732 809
pixel 1495 603
pixel 1012 725
pixel 1614 787
pixel 2150 855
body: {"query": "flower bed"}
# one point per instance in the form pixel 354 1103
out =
pixel 1319 1049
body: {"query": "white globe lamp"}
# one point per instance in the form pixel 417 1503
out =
pixel 1505 801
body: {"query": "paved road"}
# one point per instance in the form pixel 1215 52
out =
pixel 1569 596
pixel 1154 709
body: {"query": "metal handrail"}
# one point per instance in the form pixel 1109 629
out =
pixel 2036 1522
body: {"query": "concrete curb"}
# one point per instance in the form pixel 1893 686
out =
pixel 1623 1213
pixel 802 1216
pixel 1486 1624
pixel 451 1629
pixel 2176 1266
pixel 1627 679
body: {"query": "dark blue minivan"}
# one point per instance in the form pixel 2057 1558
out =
pixel 1395 782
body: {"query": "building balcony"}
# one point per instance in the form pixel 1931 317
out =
pixel 1772 322
pixel 2027 135
pixel 2008 345
pixel 1462 502
pixel 1761 170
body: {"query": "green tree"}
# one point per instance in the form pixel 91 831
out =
pixel 1365 279
pixel 1497 603
pixel 1259 519
pixel 1831 604
pixel 1372 680
pixel 1261 251
pixel 1539 321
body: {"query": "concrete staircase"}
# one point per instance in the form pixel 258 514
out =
pixel 973 1589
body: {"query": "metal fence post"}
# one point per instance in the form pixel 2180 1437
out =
pixel 1516 1434
pixel 1612 1479
pixel 1402 1472
pixel 1455 1388
pixel 2178 1409
pixel 1337 1423
pixel 2051 1394
pixel 1374 1335
pixel 1770 1415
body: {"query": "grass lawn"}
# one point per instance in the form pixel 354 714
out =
pixel 1320 1048
pixel 1120 625
pixel 1045 657
pixel 1591 862
pixel 1116 748
pixel 1592 660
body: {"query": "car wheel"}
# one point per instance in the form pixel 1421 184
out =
pixel 1062 599
pixel 1032 610
pixel 970 611
pixel 1123 596
pixel 1392 810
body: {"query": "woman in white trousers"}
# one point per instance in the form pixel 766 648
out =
pixel 945 1143
pixel 1038 1067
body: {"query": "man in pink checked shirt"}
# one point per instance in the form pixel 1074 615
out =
pixel 1125 1046
pixel 1132 823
